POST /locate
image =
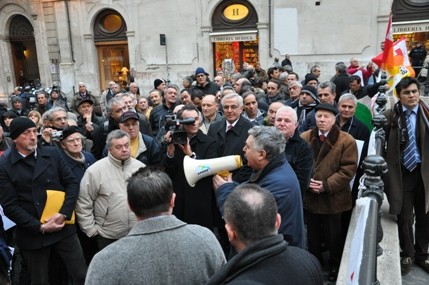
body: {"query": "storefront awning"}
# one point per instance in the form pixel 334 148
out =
pixel 241 36
pixel 410 27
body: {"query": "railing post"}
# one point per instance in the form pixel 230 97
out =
pixel 374 166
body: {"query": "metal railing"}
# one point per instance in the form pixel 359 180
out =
pixel 368 232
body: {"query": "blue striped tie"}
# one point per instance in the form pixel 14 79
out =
pixel 409 158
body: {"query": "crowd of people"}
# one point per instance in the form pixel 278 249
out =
pixel 128 216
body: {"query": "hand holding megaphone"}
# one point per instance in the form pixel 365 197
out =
pixel 220 179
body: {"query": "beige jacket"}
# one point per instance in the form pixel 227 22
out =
pixel 102 206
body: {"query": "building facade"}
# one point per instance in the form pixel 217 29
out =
pixel 62 43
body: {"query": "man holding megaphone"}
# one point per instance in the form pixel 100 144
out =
pixel 264 150
pixel 193 205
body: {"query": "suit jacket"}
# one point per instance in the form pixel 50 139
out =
pixel 23 194
pixel 393 178
pixel 159 250
pixel 232 143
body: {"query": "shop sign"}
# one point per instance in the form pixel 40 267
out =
pixel 233 38
pixel 402 28
pixel 236 12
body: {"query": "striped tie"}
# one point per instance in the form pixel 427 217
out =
pixel 409 159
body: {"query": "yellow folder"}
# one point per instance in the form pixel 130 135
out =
pixel 54 202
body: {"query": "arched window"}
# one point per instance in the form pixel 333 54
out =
pixel 112 48
pixel 109 26
pixel 234 15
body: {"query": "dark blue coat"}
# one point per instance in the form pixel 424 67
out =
pixel 279 178
pixel 23 194
pixel 77 168
pixel 300 157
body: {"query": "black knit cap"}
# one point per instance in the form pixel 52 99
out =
pixel 69 131
pixel 20 125
pixel 157 82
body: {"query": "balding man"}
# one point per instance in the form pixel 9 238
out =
pixel 271 114
pixel 84 94
pixel 106 96
pixel 210 110
pixel 263 256
pixel 298 152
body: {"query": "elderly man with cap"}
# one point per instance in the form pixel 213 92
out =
pixel 203 82
pixel 72 151
pixel 143 147
pixel 329 194
pixel 326 94
pixel 102 209
pixel 79 160
pixel 26 173
pixel 87 121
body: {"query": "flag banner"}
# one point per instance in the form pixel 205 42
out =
pixel 398 66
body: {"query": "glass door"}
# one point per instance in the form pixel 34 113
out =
pixel 113 63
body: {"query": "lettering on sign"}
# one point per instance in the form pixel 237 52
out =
pixel 410 28
pixel 234 38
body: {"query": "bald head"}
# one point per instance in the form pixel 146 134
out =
pixel 251 212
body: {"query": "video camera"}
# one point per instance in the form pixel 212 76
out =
pixel 175 126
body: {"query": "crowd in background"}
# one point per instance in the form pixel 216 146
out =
pixel 299 138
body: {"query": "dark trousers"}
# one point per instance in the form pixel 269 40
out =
pixel 413 198
pixel 329 227
pixel 70 253
pixel 102 242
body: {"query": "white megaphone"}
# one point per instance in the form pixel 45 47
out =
pixel 195 169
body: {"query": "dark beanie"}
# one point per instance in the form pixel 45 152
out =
pixel 157 82
pixel 20 125
pixel 310 77
pixel 310 90
pixel 69 131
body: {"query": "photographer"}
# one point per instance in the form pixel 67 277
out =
pixel 55 123
pixel 193 205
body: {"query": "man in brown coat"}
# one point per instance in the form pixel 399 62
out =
pixel 328 196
